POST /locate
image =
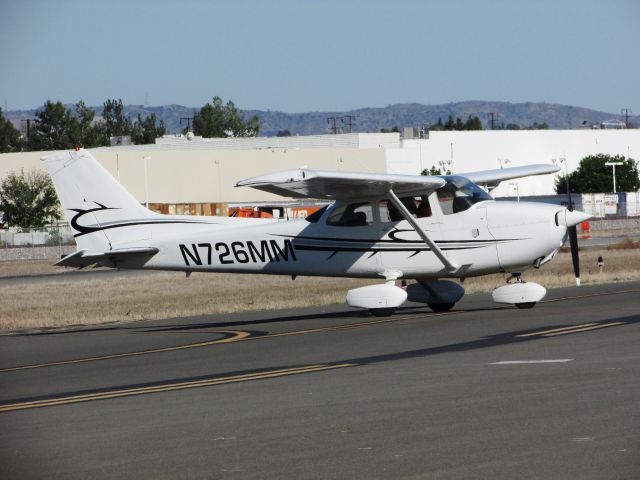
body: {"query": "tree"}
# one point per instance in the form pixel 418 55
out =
pixel 473 123
pixel 89 133
pixel 10 138
pixel 438 125
pixel 146 131
pixel 217 120
pixel 28 200
pixel 114 122
pixel 56 128
pixel 593 176
pixel 539 126
pixel 283 133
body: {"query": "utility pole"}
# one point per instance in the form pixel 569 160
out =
pixel 626 112
pixel 28 120
pixel 188 120
pixel 493 120
pixel 333 124
pixel 350 120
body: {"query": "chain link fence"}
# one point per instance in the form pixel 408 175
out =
pixel 49 242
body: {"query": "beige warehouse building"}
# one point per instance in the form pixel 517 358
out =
pixel 180 171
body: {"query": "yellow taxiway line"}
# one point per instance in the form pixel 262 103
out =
pixel 239 335
pixel 170 387
pixel 232 336
pixel 584 327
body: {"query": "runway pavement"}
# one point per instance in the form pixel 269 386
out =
pixel 483 391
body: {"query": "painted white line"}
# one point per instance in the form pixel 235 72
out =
pixel 519 362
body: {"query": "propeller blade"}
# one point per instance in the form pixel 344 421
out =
pixel 573 242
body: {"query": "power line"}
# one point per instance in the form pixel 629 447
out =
pixel 28 120
pixel 350 120
pixel 333 124
pixel 188 120
pixel 626 112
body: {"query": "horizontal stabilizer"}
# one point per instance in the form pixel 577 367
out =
pixel 84 258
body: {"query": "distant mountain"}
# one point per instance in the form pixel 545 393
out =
pixel 373 119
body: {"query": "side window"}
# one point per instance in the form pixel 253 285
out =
pixel 315 216
pixel 418 207
pixel 352 215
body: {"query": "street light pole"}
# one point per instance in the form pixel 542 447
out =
pixel 557 161
pixel 146 183
pixel 613 165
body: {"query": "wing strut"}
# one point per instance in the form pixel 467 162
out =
pixel 449 265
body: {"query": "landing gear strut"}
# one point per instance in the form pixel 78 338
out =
pixel 515 277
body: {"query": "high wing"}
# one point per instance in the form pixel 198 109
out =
pixel 493 177
pixel 307 183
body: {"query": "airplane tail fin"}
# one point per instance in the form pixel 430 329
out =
pixel 95 204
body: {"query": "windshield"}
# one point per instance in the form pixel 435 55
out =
pixel 459 194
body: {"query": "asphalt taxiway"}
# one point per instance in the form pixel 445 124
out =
pixel 483 391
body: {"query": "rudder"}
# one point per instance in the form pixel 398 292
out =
pixel 95 204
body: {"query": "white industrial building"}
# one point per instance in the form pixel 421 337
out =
pixel 204 171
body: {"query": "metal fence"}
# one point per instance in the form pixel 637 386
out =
pixel 49 242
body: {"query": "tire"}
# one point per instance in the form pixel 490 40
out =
pixel 382 312
pixel 441 307
pixel 525 305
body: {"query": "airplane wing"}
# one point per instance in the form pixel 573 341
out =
pixel 83 258
pixel 494 177
pixel 307 183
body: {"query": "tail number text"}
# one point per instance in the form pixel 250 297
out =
pixel 238 252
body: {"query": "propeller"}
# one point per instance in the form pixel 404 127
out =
pixel 573 242
pixel 573 218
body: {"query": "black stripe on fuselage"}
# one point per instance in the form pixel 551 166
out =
pixel 399 240
pixel 130 224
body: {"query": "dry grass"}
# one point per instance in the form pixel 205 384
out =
pixel 626 244
pixel 12 268
pixel 60 302
pixel 620 266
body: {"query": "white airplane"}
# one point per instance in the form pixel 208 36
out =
pixel 379 226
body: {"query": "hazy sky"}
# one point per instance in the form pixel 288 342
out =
pixel 299 55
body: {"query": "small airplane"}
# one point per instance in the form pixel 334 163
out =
pixel 378 226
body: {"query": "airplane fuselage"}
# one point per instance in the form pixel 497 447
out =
pixel 487 238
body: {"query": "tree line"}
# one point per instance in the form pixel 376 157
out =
pixel 594 176
pixel 57 127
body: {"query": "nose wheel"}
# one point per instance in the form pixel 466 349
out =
pixel 518 292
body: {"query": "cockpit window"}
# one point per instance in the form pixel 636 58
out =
pixel 459 194
pixel 418 207
pixel 352 215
